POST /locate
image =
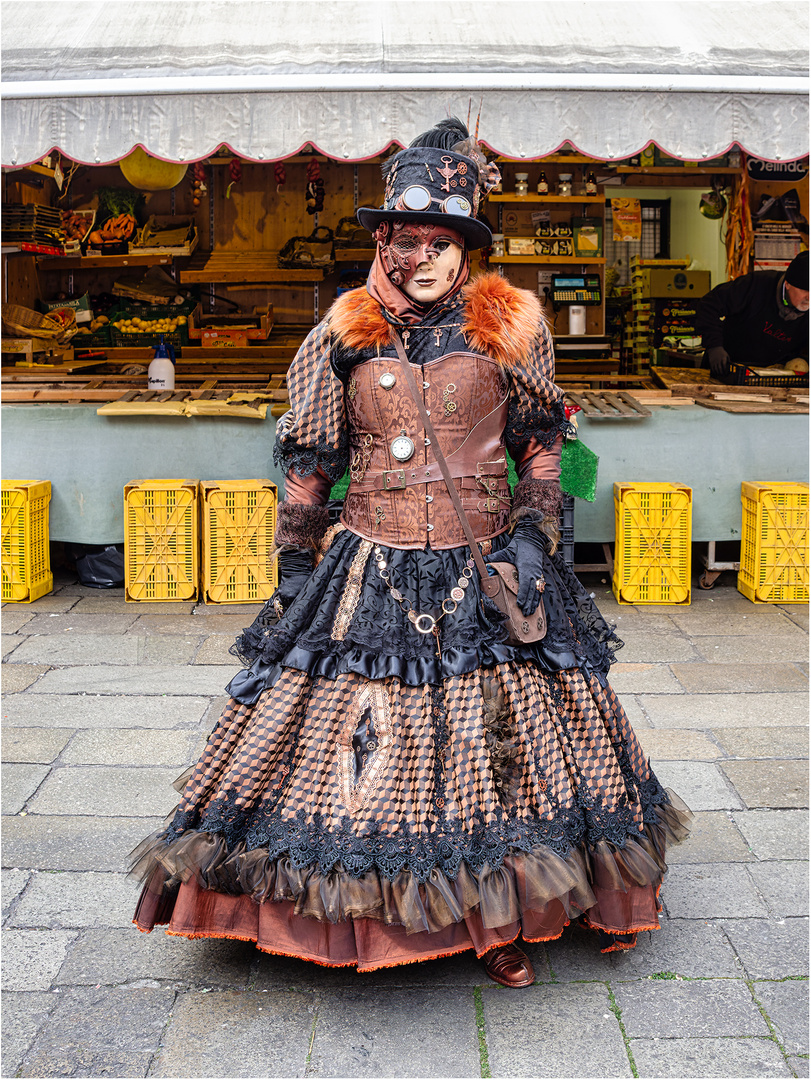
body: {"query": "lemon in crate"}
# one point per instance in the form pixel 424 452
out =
pixel 774 543
pixel 26 556
pixel 239 521
pixel 653 530
pixel 161 540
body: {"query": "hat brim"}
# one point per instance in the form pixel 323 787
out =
pixel 475 232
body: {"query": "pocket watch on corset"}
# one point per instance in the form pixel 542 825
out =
pixel 402 448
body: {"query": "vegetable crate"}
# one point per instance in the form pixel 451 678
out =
pixel 239 522
pixel 652 552
pixel 150 313
pixel 161 540
pixel 774 543
pixel 26 555
pixel 742 375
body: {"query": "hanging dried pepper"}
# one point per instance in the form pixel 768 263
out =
pixel 739 236
pixel 235 172
pixel 279 175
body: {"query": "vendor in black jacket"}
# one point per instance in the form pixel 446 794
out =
pixel 759 319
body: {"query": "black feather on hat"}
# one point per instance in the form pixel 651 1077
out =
pixel 437 178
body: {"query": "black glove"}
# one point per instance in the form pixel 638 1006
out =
pixel 719 361
pixel 295 566
pixel 525 551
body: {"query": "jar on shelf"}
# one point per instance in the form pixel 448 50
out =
pixel 497 250
pixel 521 185
pixel 565 184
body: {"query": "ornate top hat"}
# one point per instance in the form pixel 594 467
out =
pixel 432 186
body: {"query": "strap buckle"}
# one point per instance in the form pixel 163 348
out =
pixel 491 468
pixel 394 479
pixel 489 506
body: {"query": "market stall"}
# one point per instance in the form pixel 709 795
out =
pixel 282 113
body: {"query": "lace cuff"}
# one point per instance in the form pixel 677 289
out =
pixel 301 525
pixel 543 495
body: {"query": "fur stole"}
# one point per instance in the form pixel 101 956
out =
pixel 499 320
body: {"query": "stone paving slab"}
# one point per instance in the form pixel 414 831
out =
pixel 629 620
pixel 241 611
pixel 576 957
pixel 707 891
pixel 775 834
pixel 13 883
pixel 717 711
pixel 214 650
pixel 111 601
pixel 23 1015
pixel 180 681
pixel 783 885
pixel 34 745
pixel 18 677
pixel 73 623
pixel 695 1058
pixel 19 782
pixel 698 1008
pixel 786 1005
pixel 774 742
pixel 634 712
pixel 114 956
pixel 700 622
pixel 798 613
pixel 699 783
pixel 689 947
pixel 769 784
pixel 553 1031
pixel 130 746
pixel 14 617
pixel 104 1032
pixel 73 843
pixel 10 643
pixel 103 711
pixel 644 646
pixel 644 679
pixel 770 948
pixel 32 958
pixel 190 624
pixel 56 602
pixel 79 649
pixel 399 1033
pixel 66 900
pixel 234 1034
pixel 799 1065
pixel 713 837
pixel 738 678
pixel 664 744
pixel 762 649
pixel 110 792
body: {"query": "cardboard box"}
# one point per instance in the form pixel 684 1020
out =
pixel 229 331
pixel 521 245
pixel 678 284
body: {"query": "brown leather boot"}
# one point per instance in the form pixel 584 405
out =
pixel 508 965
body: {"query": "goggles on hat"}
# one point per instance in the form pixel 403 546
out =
pixel 419 198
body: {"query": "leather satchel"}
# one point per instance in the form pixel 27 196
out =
pixel 501 586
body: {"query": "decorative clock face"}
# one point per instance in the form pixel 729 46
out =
pixel 387 380
pixel 402 448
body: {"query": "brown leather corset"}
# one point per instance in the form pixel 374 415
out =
pixel 405 503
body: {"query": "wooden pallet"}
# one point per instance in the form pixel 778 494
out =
pixel 114 389
pixel 258 267
pixel 605 405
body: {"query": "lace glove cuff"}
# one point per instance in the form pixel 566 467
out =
pixel 538 502
pixel 301 525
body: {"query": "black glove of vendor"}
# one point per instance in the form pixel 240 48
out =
pixel 525 551
pixel 295 566
pixel 719 361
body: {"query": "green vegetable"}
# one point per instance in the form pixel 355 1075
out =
pixel 115 201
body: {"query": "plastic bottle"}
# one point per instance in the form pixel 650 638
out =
pixel 161 374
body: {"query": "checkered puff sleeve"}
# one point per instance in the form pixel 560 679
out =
pixel 313 435
pixel 536 415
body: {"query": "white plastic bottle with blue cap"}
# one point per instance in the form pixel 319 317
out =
pixel 161 374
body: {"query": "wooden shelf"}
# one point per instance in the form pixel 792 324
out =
pixel 555 159
pixel 675 170
pixel 547 259
pixel 362 254
pixel 98 262
pixel 546 198
pixel 255 267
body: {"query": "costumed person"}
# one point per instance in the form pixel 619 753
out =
pixel 759 319
pixel 393 780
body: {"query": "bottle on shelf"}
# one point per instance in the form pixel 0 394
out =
pixel 591 184
pixel 543 184
pixel 565 184
pixel 161 374
pixel 497 250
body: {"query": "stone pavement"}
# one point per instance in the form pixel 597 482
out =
pixel 106 702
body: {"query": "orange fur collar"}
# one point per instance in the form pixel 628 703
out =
pixel 499 320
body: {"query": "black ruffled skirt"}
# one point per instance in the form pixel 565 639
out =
pixel 372 797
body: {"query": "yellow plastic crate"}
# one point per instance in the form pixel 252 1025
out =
pixel 26 558
pixel 652 554
pixel 239 521
pixel 774 543
pixel 161 540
